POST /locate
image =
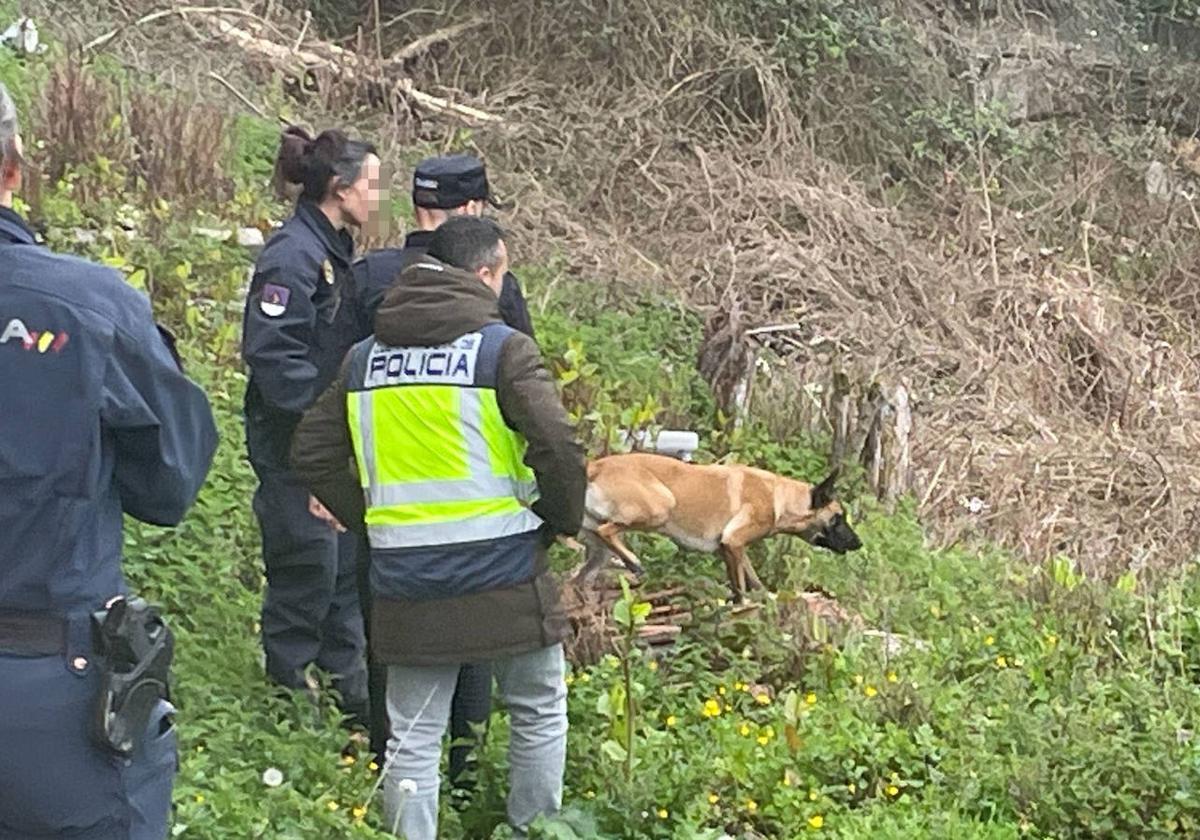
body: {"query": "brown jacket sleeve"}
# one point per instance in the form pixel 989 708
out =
pixel 323 456
pixel 531 405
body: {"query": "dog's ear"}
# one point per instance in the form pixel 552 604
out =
pixel 824 492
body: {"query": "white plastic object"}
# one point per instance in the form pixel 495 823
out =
pixel 677 443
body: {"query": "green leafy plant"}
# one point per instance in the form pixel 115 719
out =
pixel 629 614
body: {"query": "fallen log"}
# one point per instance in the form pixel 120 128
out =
pixel 342 63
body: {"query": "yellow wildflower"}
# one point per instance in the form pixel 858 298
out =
pixel 1001 662
pixel 585 677
pixel 728 708
pixel 359 812
pixel 935 611
pixel 870 691
pixel 751 805
pixel 348 760
pixel 711 708
pixel 763 740
pixel 739 686
pixel 1051 639
pixel 858 679
pixel 663 813
pixel 813 796
pixel 199 798
pixel 570 679
pixel 853 788
pixel 721 690
pixel 653 666
pixel 892 790
pixel 891 677
pixel 372 766
pixel 589 794
pixel 671 720
pixel 199 748
pixel 989 641
pixel 816 821
pixel 331 805
pixel 762 699
pixel 713 799
pixel 744 730
pixel 811 698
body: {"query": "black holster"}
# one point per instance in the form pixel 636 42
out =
pixel 135 648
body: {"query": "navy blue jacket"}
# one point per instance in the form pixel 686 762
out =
pixel 301 318
pixel 376 272
pixel 98 421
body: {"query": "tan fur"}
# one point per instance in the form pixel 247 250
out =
pixel 715 508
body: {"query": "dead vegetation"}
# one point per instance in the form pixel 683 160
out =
pixel 168 144
pixel 1039 323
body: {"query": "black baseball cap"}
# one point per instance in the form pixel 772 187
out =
pixel 450 181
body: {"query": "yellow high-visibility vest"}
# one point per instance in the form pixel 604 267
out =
pixel 437 463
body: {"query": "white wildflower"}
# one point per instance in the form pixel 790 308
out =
pixel 272 777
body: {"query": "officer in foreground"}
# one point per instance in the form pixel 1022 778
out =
pixel 98 421
pixel 467 469
pixel 300 320
pixel 443 188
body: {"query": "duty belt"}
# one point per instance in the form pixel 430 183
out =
pixel 25 633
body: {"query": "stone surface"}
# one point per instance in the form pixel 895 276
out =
pixel 250 237
pixel 1158 180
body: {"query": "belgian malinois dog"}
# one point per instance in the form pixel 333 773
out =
pixel 718 508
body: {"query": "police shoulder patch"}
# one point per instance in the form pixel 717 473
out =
pixel 273 299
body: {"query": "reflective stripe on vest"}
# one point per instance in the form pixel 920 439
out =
pixel 437 462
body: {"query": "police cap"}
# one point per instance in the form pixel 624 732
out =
pixel 450 181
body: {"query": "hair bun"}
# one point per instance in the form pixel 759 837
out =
pixel 318 163
pixel 294 145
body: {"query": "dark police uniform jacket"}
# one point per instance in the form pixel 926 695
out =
pixel 98 421
pixel 377 271
pixel 301 317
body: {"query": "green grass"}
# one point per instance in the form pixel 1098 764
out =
pixel 1037 704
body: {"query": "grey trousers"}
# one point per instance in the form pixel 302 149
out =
pixel 532 687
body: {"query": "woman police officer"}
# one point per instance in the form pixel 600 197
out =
pixel 300 319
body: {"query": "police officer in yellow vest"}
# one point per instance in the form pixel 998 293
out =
pixel 464 469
